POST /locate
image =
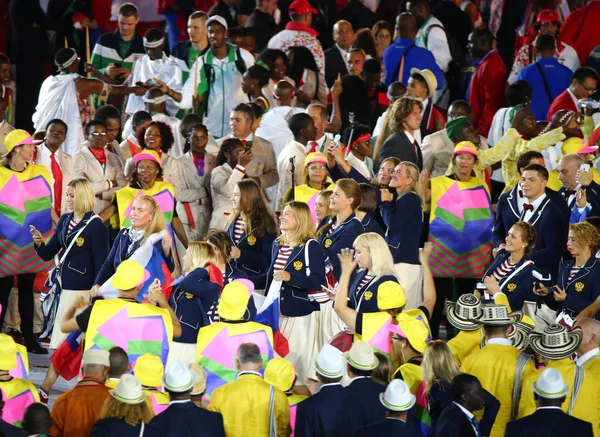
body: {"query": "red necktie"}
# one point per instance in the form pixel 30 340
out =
pixel 313 147
pixel 58 180
pixel 415 144
pixel 527 207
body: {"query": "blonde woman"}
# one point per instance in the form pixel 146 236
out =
pixel 192 297
pixel 125 413
pixel 146 219
pixel 83 240
pixel 439 369
pixel 404 220
pixel 296 275
pixel 322 210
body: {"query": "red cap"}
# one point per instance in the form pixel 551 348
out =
pixel 548 16
pixel 301 7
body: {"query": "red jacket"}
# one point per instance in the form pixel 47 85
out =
pixel 487 91
pixel 563 101
pixel 579 30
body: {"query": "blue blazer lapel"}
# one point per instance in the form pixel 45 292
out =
pixel 537 214
pixel 513 201
pixel 296 251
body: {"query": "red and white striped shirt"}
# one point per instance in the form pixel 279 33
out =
pixel 365 281
pixel 282 256
pixel 503 269
pixel 72 224
pixel 239 229
pixel 574 270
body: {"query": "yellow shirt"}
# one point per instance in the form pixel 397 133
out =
pixel 494 365
pixel 244 405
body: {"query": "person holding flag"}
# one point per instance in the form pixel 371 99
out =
pixel 294 283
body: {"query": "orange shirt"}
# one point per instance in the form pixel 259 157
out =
pixel 75 412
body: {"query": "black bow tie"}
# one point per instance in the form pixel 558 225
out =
pixel 569 193
pixel 527 207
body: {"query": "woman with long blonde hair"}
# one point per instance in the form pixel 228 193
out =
pixel 404 220
pixel 295 277
pixel 193 297
pixel 252 228
pixel 126 412
pixel 439 369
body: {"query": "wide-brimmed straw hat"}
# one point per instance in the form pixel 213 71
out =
pixel 461 313
pixel 555 342
pixel 497 315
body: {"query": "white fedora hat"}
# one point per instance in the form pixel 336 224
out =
pixel 397 396
pixel 330 362
pixel 178 378
pixel 550 385
pixel 129 390
pixel 429 77
pixel 361 356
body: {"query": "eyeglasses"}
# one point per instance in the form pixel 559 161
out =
pixel 589 90
pixel 99 134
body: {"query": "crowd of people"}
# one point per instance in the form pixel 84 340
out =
pixel 307 217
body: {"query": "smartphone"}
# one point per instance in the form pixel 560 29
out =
pixel 585 167
pixel 482 290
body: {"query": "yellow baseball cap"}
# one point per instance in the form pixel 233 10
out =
pixel 129 274
pixel 18 137
pixel 280 373
pixel 8 352
pixel 415 331
pixel 234 301
pixel 390 295
pixel 149 369
pixel 465 147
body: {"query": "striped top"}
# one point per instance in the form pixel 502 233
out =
pixel 72 224
pixel 503 269
pixel 282 256
pixel 331 229
pixel 240 228
pixel 574 270
pixel 365 281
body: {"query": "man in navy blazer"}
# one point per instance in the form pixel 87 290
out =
pixel 546 218
pixel 402 143
pixel 397 400
pixel 361 404
pixel 458 420
pixel 317 415
pixel 335 56
pixel 549 420
pixel 572 178
pixel 510 204
pixel 183 418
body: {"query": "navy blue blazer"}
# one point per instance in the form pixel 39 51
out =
pixel 231 274
pixel 342 238
pixel 317 416
pixel 361 406
pixel 255 256
pixel 185 419
pixel 389 427
pixel 518 287
pixel 293 299
pixel 592 193
pixel 453 422
pixel 114 426
pixel 191 299
pixel 584 288
pixel 404 221
pixel 507 212
pixel 551 237
pixel 549 423
pixel 364 300
pixel 85 259
pixel 371 224
pixel 120 251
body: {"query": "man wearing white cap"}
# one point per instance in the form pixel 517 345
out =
pixel 215 79
pixel 397 400
pixel 361 404
pixel 318 415
pixel 549 420
pixel 75 412
pixel 182 417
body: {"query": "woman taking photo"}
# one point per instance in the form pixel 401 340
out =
pixel 230 169
pixel 193 203
pixel 158 137
pixel 82 240
pixel 316 179
pixel 17 175
pixel 579 278
pixel 404 219
pixel 146 177
pixel 303 70
pixel 296 275
pixel 511 271
pixel 192 297
pixel 252 228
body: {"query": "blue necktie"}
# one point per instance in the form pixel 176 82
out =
pixel 476 425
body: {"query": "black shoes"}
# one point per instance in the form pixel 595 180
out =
pixel 35 348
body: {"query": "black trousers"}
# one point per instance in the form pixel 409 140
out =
pixel 25 302
pixel 448 288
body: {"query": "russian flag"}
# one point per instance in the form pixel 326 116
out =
pixel 67 358
pixel 268 314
